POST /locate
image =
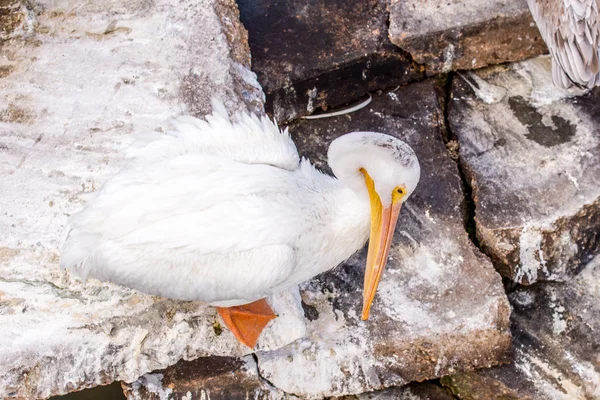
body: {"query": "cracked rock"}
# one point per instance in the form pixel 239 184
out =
pixel 77 81
pixel 324 53
pixel 440 306
pixel 215 378
pixel 532 155
pixel 555 329
pixel 464 34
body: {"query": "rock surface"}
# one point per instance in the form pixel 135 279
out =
pixel 321 54
pixel 555 329
pixel 464 34
pixel 324 53
pixel 532 155
pixel 226 378
pixel 77 80
pixel 440 306
pixel 215 378
pixel 413 391
pixel 472 386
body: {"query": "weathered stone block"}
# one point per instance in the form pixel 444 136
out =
pixel 472 386
pixel 557 347
pixel 215 378
pixel 464 34
pixel 77 78
pixel 311 54
pixel 532 155
pixel 440 305
pixel 413 391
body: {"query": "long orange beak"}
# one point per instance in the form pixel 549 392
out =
pixel 383 224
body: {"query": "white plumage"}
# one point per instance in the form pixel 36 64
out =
pixel 225 212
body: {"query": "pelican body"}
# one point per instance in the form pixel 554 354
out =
pixel 571 30
pixel 226 213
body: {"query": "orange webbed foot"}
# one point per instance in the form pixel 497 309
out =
pixel 247 321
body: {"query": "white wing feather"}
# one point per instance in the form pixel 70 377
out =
pixel 247 139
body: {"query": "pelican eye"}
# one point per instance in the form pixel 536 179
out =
pixel 398 194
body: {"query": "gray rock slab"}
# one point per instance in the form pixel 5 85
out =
pixel 77 80
pixel 464 34
pixel 440 306
pixel 324 53
pixel 227 378
pixel 532 155
pixel 555 330
pixel 215 378
pixel 413 391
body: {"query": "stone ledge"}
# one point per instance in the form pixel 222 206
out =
pixel 531 153
pixel 556 344
pixel 312 54
pixel 465 34
pixel 215 378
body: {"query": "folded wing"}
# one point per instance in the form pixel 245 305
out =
pixel 247 139
pixel 194 212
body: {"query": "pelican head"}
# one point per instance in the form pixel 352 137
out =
pixel 385 170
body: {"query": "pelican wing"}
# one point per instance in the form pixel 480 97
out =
pixel 571 30
pixel 247 139
pixel 200 220
pixel 223 279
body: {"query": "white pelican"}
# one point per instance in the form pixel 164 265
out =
pixel 571 30
pixel 226 213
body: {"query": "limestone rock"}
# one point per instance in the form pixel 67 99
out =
pixel 532 155
pixel 215 378
pixel 555 328
pixel 324 53
pixel 440 306
pixel 464 34
pixel 77 81
pixel 413 391
pixel 469 385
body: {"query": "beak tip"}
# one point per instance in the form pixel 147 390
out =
pixel 365 315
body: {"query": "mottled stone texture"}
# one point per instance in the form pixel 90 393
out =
pixel 440 306
pixel 471 386
pixel 464 34
pixel 77 79
pixel 214 378
pixel 324 53
pixel 532 156
pixel 557 346
pixel 413 391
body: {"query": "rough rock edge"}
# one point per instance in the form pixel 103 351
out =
pixel 510 264
pixel 237 36
pixel 426 50
pixel 151 387
pixel 547 231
